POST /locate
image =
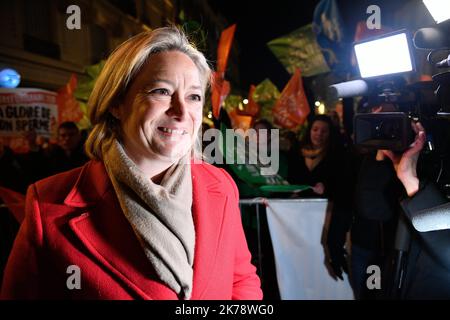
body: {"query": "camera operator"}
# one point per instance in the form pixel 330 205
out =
pixel 369 209
pixel 373 223
pixel 428 265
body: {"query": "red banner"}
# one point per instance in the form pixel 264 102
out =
pixel 292 107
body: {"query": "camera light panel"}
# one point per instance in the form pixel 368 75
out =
pixel 384 56
pixel 439 9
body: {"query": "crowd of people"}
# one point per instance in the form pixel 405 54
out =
pixel 370 193
pixel 181 234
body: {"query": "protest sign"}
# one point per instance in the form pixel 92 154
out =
pixel 24 109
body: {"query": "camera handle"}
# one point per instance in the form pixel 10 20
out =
pixel 402 244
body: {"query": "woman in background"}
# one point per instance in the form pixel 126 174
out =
pixel 318 159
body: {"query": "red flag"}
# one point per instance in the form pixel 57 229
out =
pixel 292 107
pixel 251 108
pixel 68 106
pixel 221 87
pixel 15 202
pixel 223 49
pixel 239 121
pixel 220 90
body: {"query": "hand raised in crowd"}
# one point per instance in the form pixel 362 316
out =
pixel 405 164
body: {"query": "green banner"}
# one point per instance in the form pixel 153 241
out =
pixel 299 49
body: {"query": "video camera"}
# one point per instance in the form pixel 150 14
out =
pixel 382 63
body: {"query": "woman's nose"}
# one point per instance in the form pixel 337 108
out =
pixel 178 108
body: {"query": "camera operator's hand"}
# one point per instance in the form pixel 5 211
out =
pixel 405 164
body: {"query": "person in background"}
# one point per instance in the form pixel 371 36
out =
pixel 287 140
pixel 262 124
pixel 263 137
pixel 373 224
pixel 145 218
pixel 69 153
pixel 321 161
pixel 317 161
pixel 373 193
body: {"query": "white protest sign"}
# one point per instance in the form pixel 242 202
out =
pixel 27 109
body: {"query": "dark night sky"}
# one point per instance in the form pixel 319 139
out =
pixel 259 22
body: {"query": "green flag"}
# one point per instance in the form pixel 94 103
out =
pixel 266 95
pixel 299 49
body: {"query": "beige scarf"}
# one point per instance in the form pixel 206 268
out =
pixel 160 215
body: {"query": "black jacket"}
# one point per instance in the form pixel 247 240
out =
pixel 368 205
pixel 428 267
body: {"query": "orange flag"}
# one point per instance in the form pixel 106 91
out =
pixel 251 108
pixel 15 202
pixel 68 106
pixel 223 49
pixel 239 121
pixel 292 107
pixel 221 87
pixel 220 90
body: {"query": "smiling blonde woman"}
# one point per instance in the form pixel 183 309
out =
pixel 141 220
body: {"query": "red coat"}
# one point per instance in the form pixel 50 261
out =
pixel 74 218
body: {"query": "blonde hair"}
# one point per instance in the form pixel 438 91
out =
pixel 120 70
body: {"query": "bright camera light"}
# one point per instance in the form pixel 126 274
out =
pixel 245 101
pixel 383 56
pixel 317 103
pixel 439 9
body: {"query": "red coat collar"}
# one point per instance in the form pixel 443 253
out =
pixel 103 230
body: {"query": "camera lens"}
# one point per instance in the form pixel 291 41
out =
pixel 386 130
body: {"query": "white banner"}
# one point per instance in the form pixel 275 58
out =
pixel 24 109
pixel 296 232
